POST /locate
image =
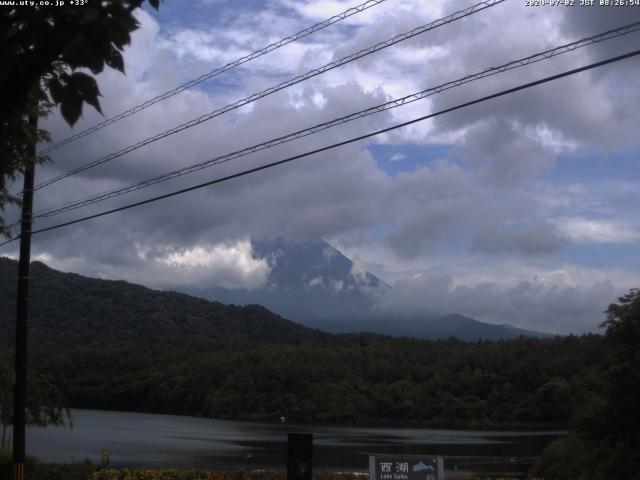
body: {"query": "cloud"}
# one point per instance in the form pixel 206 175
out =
pixel 513 188
pixel 560 108
pixel 343 191
pixel 226 265
pixel 583 230
pixel 438 201
pixel 503 153
pixel 329 253
pixel 229 264
pixel 534 304
pixel 336 285
pixel 539 237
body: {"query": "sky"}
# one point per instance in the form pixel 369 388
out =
pixel 522 210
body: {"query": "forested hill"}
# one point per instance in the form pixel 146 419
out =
pixel 69 311
pixel 114 345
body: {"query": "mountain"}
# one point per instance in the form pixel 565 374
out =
pixel 469 329
pixel 309 282
pixel 431 327
pixel 68 310
pixel 314 284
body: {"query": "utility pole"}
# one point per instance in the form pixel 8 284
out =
pixel 22 313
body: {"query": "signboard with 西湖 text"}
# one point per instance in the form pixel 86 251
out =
pixel 405 467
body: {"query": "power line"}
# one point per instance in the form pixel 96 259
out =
pixel 339 144
pixel 607 35
pixel 202 78
pixel 300 78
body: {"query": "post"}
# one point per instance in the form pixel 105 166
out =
pixel 440 468
pixel 299 457
pixel 20 385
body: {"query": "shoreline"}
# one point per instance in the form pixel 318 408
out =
pixel 517 429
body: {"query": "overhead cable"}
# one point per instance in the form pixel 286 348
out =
pixel 339 144
pixel 569 47
pixel 202 78
pixel 300 78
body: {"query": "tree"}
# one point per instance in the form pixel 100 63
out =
pixel 42 52
pixel 617 429
pixel 604 441
pixel 46 405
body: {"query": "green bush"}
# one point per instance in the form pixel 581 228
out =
pixel 46 471
pixel 563 459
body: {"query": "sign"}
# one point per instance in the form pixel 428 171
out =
pixel 405 467
pixel 104 454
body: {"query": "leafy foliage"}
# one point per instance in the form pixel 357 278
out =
pixel 16 138
pixel 41 51
pixel 46 404
pixel 605 439
pixel 622 397
pixel 378 381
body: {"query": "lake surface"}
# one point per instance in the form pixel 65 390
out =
pixel 146 440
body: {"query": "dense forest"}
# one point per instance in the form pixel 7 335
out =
pixel 533 383
pixel 69 311
pixel 114 345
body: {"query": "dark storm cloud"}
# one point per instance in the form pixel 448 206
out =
pixel 589 107
pixel 540 237
pixel 503 154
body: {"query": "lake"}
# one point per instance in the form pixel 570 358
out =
pixel 147 440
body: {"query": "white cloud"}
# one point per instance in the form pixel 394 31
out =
pixel 229 265
pixel 43 257
pixel 318 9
pixel 397 157
pixel 359 272
pixel 329 253
pixel 336 285
pixel 576 189
pixel 585 230
pixel 202 46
